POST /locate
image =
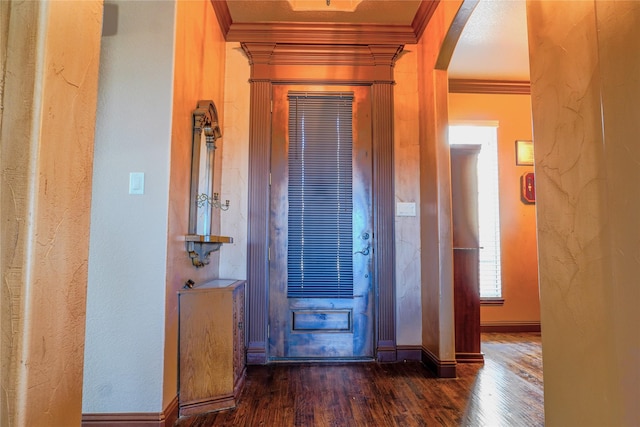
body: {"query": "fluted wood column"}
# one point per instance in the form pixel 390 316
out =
pixel 258 227
pixel 383 217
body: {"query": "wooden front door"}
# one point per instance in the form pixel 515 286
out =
pixel 321 259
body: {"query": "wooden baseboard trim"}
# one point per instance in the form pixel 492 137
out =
pixel 409 353
pixel 469 357
pixel 442 368
pixel 506 327
pixel 208 405
pixel 256 354
pixel 386 351
pixel 166 418
pixel 171 413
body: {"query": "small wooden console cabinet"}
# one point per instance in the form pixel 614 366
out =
pixel 211 346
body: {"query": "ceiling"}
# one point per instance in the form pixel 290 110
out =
pixel 492 46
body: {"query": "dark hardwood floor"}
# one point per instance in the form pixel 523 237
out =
pixel 505 391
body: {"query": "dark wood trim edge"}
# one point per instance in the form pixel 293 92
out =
pixel 207 405
pixel 491 301
pixel 224 16
pixel 469 357
pixel 256 353
pixel 442 368
pixel 386 351
pixel 320 33
pixel 425 11
pixel 171 413
pixel 409 353
pixel 505 327
pixel 498 87
pixel 166 418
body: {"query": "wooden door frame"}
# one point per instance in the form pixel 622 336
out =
pixel 368 65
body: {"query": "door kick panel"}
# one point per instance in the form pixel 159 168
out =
pixel 321 320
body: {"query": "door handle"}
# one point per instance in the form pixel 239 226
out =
pixel 364 252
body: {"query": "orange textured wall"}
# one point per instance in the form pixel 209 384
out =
pixel 198 74
pixel 517 220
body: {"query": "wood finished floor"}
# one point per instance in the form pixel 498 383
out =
pixel 505 391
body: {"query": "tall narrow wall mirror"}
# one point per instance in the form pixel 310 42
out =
pixel 203 200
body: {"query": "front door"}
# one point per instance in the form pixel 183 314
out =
pixel 320 290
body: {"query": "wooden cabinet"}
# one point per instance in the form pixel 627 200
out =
pixel 211 346
pixel 466 249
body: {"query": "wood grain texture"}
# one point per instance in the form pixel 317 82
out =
pixel 466 262
pixel 212 361
pixel 505 391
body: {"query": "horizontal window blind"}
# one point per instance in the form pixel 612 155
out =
pixel 320 246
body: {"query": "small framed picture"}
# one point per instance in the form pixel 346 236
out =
pixel 524 153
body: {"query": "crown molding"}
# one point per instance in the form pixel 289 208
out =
pixel 503 87
pixel 321 54
pixel 224 16
pixel 423 16
pixel 321 33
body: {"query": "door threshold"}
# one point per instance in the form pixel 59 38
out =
pixel 324 360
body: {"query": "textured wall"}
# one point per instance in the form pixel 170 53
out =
pixel 235 161
pixel 517 220
pixel 198 74
pixel 125 335
pixel 407 189
pixel 52 53
pixel 584 77
pixel 435 191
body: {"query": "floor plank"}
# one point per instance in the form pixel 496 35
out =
pixel 506 391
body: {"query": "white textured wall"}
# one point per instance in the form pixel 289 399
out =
pixel 407 189
pixel 124 346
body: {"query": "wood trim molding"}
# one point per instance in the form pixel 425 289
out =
pixel 320 33
pixel 469 357
pixel 258 223
pixel 384 219
pixel 425 11
pixel 442 368
pixel 224 16
pixel 166 418
pixel 273 63
pixel 288 64
pixel 453 34
pixel 509 327
pixel 491 301
pixel 501 87
pixel 208 405
pixel 409 353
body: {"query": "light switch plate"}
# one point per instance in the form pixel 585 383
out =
pixel 136 183
pixel 405 209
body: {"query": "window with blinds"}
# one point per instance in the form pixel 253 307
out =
pixel 320 245
pixel 488 203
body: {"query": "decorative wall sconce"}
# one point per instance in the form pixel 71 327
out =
pixel 203 201
pixel 528 188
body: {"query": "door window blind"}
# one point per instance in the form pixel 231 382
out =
pixel 320 245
